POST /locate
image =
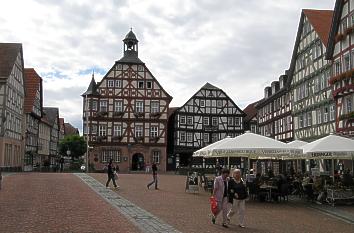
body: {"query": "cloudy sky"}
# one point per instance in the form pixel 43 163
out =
pixel 240 46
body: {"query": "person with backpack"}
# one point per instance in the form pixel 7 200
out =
pixel 154 176
pixel 237 190
pixel 110 173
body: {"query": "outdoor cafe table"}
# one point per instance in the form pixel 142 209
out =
pixel 268 188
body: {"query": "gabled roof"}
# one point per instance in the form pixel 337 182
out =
pixel 250 111
pixel 8 55
pixel 61 124
pixel 130 57
pixel 33 83
pixel 321 22
pixel 70 130
pixel 334 28
pixel 210 87
pixel 51 114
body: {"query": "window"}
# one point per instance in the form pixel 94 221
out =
pixel 319 116
pixel 103 105
pixel 93 129
pixel 202 103
pixel 205 121
pixel 118 83
pixel 337 67
pixel 214 137
pixel 206 138
pixel 156 157
pixel 214 121
pixel 182 136
pixel 219 103
pixel 139 106
pixel 309 118
pixel 107 155
pixel 189 137
pixel 301 121
pixel 352 58
pixel 305 119
pixel 325 114
pixel 183 119
pixel 230 121
pixel 118 106
pixel 110 83
pixel 155 107
pixel 323 81
pixel 346 62
pixel 237 121
pixel 317 84
pixel 189 120
pixel 138 131
pixel 154 131
pixel 117 130
pixel 344 25
pixel 102 130
pixel 349 106
pixel 141 84
pixel 94 105
pixel 331 113
pixel 148 84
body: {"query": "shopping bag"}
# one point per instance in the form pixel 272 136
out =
pixel 213 205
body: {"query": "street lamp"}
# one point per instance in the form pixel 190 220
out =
pixel 68 152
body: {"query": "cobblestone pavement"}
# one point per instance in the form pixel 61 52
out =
pixel 141 218
pixel 49 202
pixel 190 212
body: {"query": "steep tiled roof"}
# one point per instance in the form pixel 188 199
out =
pixel 321 21
pixel 250 111
pixel 32 85
pixel 8 55
pixel 51 114
pixel 70 130
pixel 61 124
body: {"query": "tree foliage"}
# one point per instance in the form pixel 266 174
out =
pixel 75 143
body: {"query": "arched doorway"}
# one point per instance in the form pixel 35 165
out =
pixel 138 162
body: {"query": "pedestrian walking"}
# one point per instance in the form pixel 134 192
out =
pixel 61 163
pixel 220 193
pixel 154 176
pixel 237 189
pixel 0 179
pixel 110 173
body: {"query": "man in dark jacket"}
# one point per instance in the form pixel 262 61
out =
pixel 110 174
pixel 154 176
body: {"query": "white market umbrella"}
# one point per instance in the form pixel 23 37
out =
pixel 298 144
pixel 253 146
pixel 330 147
pixel 206 150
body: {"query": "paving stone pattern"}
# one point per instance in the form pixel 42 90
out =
pixel 141 218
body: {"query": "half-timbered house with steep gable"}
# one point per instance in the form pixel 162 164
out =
pixel 313 107
pixel 250 121
pixel 12 95
pixel 208 116
pixel 341 53
pixel 125 114
pixel 274 111
pixel 33 110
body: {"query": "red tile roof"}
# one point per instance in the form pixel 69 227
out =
pixel 250 111
pixel 32 85
pixel 321 20
pixel 8 55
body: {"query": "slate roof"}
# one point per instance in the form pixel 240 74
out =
pixel 321 21
pixel 250 111
pixel 8 55
pixel 130 57
pixel 210 87
pixel 92 89
pixel 33 83
pixel 51 114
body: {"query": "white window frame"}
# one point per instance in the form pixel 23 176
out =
pixel 206 121
pixel 319 116
pixel 202 103
pixel 230 121
pixel 118 83
pixel 346 62
pixel 237 121
pixel 117 130
pixel 154 131
pixel 325 115
pixel 102 130
pixel 103 105
pixel 214 121
pixel 138 131
pixel 182 136
pixel 139 106
pixel 110 83
pixel 156 157
pixel 155 107
pixel 189 137
pixel 206 138
pixel 118 106
pixel 332 115
pixel 189 120
pixel 183 120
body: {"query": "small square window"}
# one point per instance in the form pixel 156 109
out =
pixel 148 84
pixel 183 120
pixel 141 84
pixel 118 83
pixel 202 103
pixel 110 83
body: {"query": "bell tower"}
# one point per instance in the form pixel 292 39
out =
pixel 130 45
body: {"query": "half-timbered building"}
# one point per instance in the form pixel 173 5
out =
pixel 313 107
pixel 12 96
pixel 52 117
pixel 341 53
pixel 250 121
pixel 125 114
pixel 33 110
pixel 274 111
pixel 208 116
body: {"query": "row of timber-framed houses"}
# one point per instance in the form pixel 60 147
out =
pixel 29 135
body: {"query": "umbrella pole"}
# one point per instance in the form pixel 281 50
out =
pixel 333 169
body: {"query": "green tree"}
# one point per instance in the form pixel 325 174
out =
pixel 75 144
